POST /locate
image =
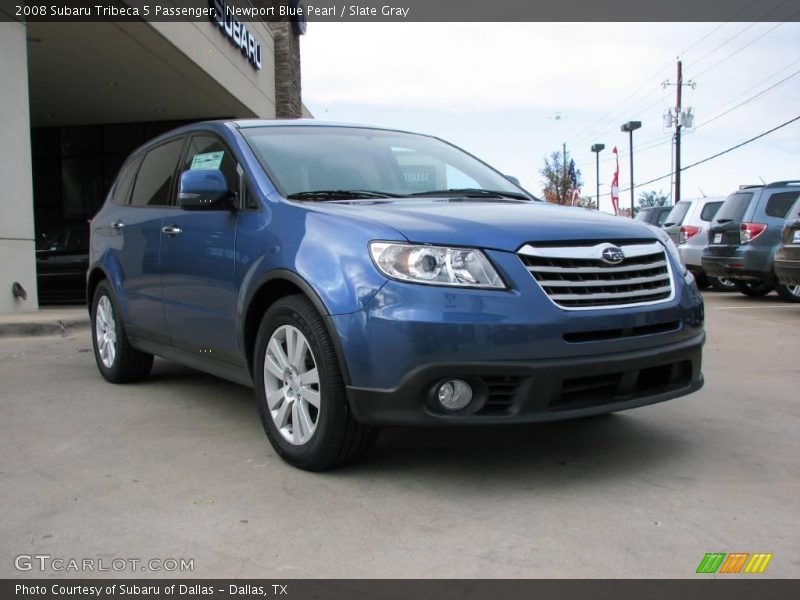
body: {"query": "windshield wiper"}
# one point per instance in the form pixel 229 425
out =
pixel 339 195
pixel 472 193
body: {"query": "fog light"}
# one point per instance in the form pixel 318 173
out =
pixel 454 394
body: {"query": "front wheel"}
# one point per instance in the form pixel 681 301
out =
pixel 300 392
pixel 722 285
pixel 753 288
pixel 117 360
pixel 790 293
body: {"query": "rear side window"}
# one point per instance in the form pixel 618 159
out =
pixel 709 211
pixel 122 189
pixel 154 180
pixel 678 213
pixel 779 204
pixel 662 216
pixel 734 207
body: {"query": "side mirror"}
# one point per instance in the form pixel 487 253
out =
pixel 513 180
pixel 204 189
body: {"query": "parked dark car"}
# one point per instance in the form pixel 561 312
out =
pixel 655 215
pixel 745 234
pixel 787 258
pixel 62 259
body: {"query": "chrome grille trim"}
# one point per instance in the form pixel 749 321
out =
pixel 577 277
pixel 590 252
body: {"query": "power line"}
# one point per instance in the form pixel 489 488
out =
pixel 734 53
pixel 750 99
pixel 738 33
pixel 661 141
pixel 625 106
pixel 718 154
pixel 751 88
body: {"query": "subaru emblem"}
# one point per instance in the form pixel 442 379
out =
pixel 612 255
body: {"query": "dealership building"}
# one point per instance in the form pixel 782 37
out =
pixel 78 97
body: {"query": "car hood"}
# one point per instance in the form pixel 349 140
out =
pixel 500 225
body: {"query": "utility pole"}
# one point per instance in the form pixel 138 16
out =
pixel 564 172
pixel 677 196
pixel 629 128
pixel 679 119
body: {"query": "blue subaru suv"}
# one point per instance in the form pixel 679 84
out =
pixel 358 277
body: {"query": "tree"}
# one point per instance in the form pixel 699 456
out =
pixel 586 202
pixel 557 187
pixel 653 198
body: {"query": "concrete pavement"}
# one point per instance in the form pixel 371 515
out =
pixel 178 467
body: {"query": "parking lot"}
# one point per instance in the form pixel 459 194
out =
pixel 178 467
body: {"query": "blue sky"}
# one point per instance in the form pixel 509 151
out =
pixel 496 88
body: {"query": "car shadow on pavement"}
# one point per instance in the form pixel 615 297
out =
pixel 609 446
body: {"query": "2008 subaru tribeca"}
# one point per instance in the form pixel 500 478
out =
pixel 359 277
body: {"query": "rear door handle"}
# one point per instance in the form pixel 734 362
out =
pixel 171 230
pixel 118 225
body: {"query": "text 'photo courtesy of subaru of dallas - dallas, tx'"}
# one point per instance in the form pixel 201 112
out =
pixel 360 277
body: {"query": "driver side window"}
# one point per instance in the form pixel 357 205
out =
pixel 208 152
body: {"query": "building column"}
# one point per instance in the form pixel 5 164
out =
pixel 17 246
pixel 288 91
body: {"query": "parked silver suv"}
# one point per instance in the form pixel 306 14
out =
pixel 687 224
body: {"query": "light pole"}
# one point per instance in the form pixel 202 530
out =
pixel 630 127
pixel 597 148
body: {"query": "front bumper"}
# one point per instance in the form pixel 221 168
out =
pixel 541 390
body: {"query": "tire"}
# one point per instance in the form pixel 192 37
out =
pixel 314 438
pixel 701 280
pixel 754 289
pixel 789 293
pixel 117 360
pixel 722 285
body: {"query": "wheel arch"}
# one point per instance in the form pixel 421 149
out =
pixel 272 287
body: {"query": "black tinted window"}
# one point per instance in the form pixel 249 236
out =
pixel 122 189
pixel 709 211
pixel 734 207
pixel 208 152
pixel 678 213
pixel 78 240
pixel 779 204
pixel 154 179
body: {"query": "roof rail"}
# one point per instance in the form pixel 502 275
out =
pixel 784 183
pixel 750 186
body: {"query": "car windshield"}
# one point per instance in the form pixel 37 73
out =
pixel 330 163
pixel 734 207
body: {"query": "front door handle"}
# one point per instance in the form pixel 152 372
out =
pixel 171 230
pixel 118 225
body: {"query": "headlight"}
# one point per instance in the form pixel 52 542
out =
pixel 672 249
pixel 435 265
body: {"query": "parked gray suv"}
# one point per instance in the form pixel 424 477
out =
pixel 745 234
pixel 687 224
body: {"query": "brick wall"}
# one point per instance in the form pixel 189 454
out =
pixel 288 92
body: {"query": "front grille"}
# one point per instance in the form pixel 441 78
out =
pixel 577 277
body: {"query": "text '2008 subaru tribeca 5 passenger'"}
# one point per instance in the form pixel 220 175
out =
pixel 359 277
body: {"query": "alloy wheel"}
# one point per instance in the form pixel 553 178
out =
pixel 291 383
pixel 106 332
